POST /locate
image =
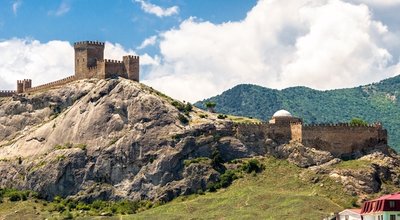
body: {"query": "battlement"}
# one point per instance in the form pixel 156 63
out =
pixel 132 57
pixel 98 43
pixel 7 93
pixel 112 61
pixel 51 84
pixel 340 125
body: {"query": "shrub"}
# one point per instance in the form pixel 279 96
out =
pixel 227 178
pixel 183 119
pixel 203 116
pixel 358 122
pixel 210 106
pixel 178 105
pixel 14 196
pixel 222 116
pixel 196 160
pixel 252 165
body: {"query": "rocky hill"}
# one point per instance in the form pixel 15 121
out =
pixel 109 139
pixel 374 102
pixel 118 139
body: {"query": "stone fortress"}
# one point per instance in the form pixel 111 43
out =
pixel 341 140
pixel 89 63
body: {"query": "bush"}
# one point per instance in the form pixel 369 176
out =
pixel 203 116
pixel 358 122
pixel 183 119
pixel 252 165
pixel 222 116
pixel 178 105
pixel 196 160
pixel 227 178
pixel 14 196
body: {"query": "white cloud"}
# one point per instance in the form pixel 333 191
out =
pixel 24 58
pixel 323 44
pixel 46 62
pixel 384 3
pixel 16 5
pixel 148 42
pixel 157 10
pixel 61 10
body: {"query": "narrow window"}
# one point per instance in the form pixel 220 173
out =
pixel 392 217
pixel 392 204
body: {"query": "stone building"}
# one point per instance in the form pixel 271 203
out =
pixel 342 140
pixel 89 63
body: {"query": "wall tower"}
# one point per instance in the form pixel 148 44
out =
pixel 87 53
pixel 131 64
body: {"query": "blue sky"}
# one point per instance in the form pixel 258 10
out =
pixel 120 21
pixel 194 49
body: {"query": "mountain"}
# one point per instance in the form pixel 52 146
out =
pixel 372 103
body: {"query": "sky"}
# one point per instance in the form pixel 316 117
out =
pixel 191 49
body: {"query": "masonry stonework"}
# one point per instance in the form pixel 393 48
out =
pixel 89 63
pixel 342 140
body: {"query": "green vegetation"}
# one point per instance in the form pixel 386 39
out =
pixel 185 108
pixel 358 122
pixel 183 119
pixel 69 146
pixel 220 116
pixel 196 160
pixel 279 192
pixel 210 106
pixel 375 102
pixel 353 164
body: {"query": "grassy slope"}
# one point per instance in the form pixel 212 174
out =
pixel 277 193
pixel 281 191
pixel 372 103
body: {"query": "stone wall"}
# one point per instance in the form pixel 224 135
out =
pixel 52 84
pixel 342 139
pixel 7 93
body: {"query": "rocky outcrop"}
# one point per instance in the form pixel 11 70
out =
pixel 108 139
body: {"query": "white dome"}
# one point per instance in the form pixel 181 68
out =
pixel 282 113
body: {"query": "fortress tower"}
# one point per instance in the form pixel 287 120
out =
pixel 87 53
pixel 90 63
pixel 23 85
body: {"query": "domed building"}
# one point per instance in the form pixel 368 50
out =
pixel 283 117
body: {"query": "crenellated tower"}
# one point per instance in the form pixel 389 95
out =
pixel 87 54
pixel 131 64
pixel 23 85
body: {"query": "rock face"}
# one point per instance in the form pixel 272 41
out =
pixel 108 139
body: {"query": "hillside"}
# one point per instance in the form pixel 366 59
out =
pixel 375 102
pixel 116 147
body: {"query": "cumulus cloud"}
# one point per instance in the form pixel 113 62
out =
pixel 16 5
pixel 157 10
pixel 24 58
pixel 46 62
pixel 148 42
pixel 323 44
pixel 61 10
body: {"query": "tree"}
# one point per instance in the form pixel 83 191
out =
pixel 210 106
pixel 358 122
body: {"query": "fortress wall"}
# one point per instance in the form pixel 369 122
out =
pixel 7 93
pixel 115 68
pixel 51 84
pixel 343 139
pixel 255 132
